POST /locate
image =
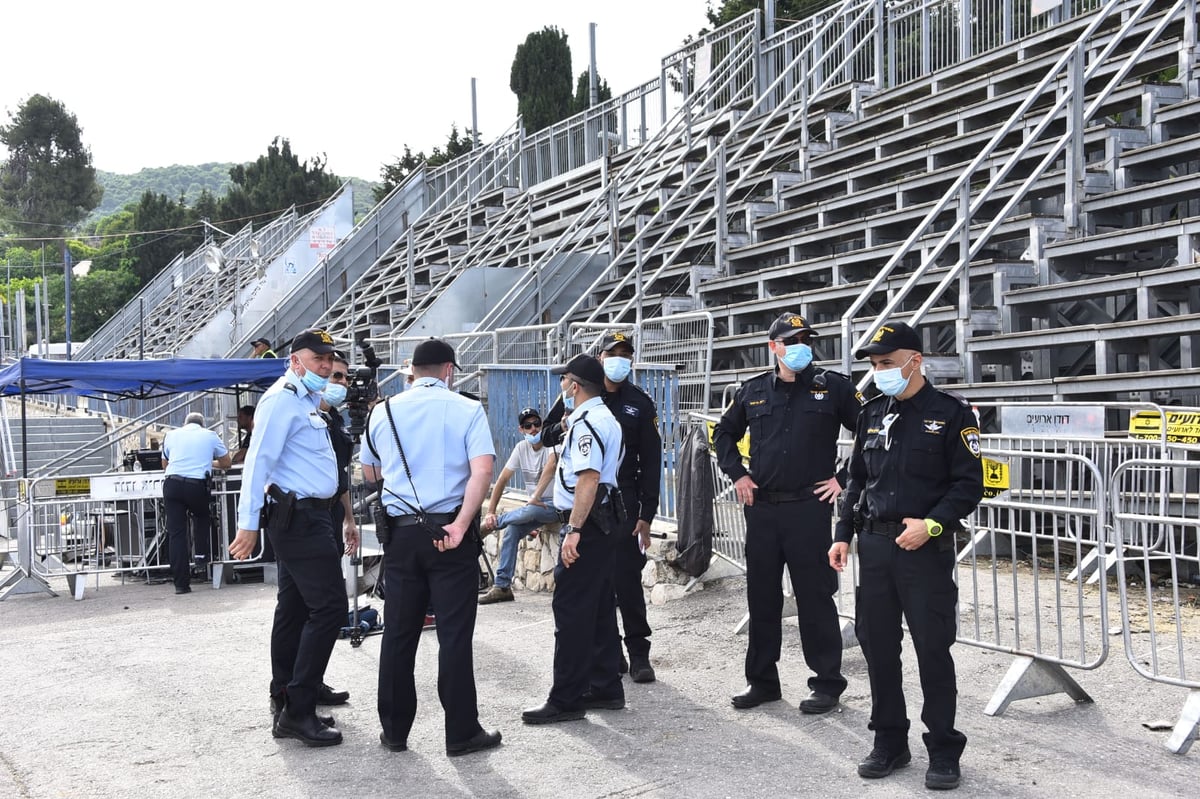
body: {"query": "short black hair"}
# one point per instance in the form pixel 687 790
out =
pixel 248 410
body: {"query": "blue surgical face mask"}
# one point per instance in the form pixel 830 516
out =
pixel 568 402
pixel 532 438
pixel 334 394
pixel 617 368
pixel 892 381
pixel 797 357
pixel 313 381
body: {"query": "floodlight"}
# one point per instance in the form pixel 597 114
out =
pixel 214 259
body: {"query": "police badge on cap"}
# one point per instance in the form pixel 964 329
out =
pixel 889 337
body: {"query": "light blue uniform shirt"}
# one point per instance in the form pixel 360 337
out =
pixel 581 451
pixel 441 432
pixel 191 449
pixel 290 449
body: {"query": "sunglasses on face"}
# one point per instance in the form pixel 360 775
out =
pixel 530 425
pixel 789 341
pixel 337 376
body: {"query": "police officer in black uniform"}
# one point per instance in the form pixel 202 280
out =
pixel 638 479
pixel 793 414
pixel 915 472
pixel 345 529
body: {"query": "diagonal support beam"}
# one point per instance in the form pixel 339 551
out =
pixel 1187 729
pixel 1029 677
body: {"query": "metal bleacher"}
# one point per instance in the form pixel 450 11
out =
pixel 1023 187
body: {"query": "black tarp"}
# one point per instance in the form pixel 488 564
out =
pixel 694 498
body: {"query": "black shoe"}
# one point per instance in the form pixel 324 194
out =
pixel 593 702
pixel 818 702
pixel 942 775
pixel 624 667
pixel 328 696
pixel 308 730
pixel 327 721
pixel 754 696
pixel 183 589
pixel 880 763
pixel 480 741
pixel 392 746
pixel 550 713
pixel 641 670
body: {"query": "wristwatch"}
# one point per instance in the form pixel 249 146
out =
pixel 933 527
pixel 567 529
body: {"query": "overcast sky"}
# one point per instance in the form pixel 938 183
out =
pixel 160 83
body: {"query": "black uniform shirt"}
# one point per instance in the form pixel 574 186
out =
pixel 641 468
pixel 343 448
pixel 918 458
pixel 793 428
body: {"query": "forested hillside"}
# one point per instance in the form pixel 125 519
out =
pixel 188 181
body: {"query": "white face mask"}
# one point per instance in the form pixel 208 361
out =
pixel 892 381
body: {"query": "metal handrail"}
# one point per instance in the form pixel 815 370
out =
pixel 928 262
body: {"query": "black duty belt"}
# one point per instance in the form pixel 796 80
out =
pixel 408 520
pixel 316 503
pixel 762 495
pixel 201 480
pixel 890 529
pixel 564 516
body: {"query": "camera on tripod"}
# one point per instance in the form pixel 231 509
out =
pixel 363 390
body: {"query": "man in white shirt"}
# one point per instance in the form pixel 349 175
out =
pixel 189 454
pixel 529 458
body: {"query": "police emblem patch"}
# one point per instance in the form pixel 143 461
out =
pixel 818 394
pixel 934 426
pixel 585 445
pixel 970 437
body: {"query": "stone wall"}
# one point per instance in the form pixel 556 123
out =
pixel 537 556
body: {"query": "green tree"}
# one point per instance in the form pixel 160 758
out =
pixel 787 12
pixel 275 182
pixel 583 92
pixel 541 79
pixel 163 223
pixel 48 183
pixel 395 173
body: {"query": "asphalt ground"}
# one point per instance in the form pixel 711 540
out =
pixel 136 692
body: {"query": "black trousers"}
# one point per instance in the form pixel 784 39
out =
pixel 628 562
pixel 587 646
pixel 337 517
pixel 415 573
pixel 310 607
pixel 798 535
pixel 184 500
pixel 919 584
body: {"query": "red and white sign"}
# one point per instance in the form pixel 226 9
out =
pixel 322 237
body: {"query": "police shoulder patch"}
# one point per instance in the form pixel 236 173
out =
pixel 970 438
pixel 585 445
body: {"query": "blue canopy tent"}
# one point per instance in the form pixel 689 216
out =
pixel 137 379
pixel 127 379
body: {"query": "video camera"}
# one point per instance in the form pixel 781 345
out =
pixel 363 390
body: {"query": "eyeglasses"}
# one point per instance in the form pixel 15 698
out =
pixel 801 338
pixel 338 376
pixel 530 425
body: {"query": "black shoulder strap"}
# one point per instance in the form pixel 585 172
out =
pixel 387 407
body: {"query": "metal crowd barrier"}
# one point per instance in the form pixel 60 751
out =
pixel 1014 593
pixel 1156 514
pixel 87 525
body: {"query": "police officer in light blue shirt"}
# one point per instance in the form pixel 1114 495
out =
pixel 291 453
pixel 433 450
pixel 189 453
pixel 587 646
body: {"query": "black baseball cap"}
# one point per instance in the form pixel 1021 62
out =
pixel 611 340
pixel 585 367
pixel 318 341
pixel 889 337
pixel 261 341
pixel 790 324
pixel 528 413
pixel 433 351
